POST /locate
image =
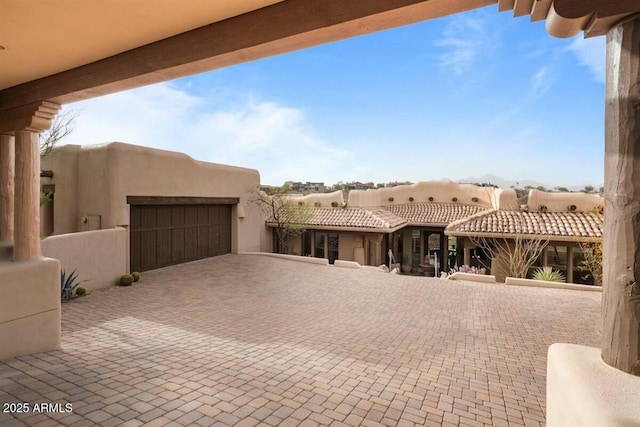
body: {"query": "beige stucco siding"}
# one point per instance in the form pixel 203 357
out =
pixel 96 180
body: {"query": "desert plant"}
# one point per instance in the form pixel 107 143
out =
pixel 81 291
pixel 126 280
pixel 548 274
pixel 136 276
pixel 68 284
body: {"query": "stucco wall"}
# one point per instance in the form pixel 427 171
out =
pixel 347 242
pixel 439 191
pixel 96 180
pixel 97 256
pixel 29 306
pixel 561 202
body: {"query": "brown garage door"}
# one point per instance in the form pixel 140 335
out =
pixel 166 234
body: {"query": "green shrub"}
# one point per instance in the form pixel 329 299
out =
pixel 80 291
pixel 136 276
pixel 68 284
pixel 126 280
pixel 548 275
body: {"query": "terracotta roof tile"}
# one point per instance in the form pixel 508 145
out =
pixel 556 224
pixel 434 213
pixel 376 218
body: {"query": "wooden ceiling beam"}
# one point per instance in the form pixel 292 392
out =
pixel 276 29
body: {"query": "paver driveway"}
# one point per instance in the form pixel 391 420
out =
pixel 251 340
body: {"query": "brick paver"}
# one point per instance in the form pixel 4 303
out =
pixel 257 340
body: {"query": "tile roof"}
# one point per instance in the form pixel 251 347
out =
pixel 374 218
pixel 562 225
pixel 434 213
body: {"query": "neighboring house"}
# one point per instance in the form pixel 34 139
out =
pixel 564 220
pixel 175 209
pixel 443 221
pixel 408 220
pixel 308 187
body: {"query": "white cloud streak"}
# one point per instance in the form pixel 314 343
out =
pixel 591 53
pixel 465 39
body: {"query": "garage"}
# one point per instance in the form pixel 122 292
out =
pixel 172 230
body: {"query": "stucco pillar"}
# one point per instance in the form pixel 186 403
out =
pixel 27 196
pixel 7 171
pixel 621 264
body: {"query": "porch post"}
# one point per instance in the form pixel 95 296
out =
pixel 621 264
pixel 7 172
pixel 27 196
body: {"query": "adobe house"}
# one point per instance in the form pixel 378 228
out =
pixel 174 209
pixel 92 50
pixel 406 219
pixel 562 221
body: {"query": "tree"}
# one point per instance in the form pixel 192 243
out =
pixel 280 209
pixel 562 189
pixel 588 188
pixel 592 254
pixel 516 252
pixel 61 127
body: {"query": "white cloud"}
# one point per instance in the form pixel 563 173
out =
pixel 275 139
pixel 465 39
pixel 591 53
pixel 541 82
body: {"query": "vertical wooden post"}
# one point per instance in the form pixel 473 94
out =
pixel 27 196
pixel 7 172
pixel 621 290
pixel 569 264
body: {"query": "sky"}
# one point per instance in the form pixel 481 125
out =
pixel 462 96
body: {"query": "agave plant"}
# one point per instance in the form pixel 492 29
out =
pixel 68 284
pixel 548 274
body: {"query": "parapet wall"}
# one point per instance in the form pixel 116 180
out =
pixel 563 202
pixel 434 191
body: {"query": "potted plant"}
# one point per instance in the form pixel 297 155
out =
pixel 406 263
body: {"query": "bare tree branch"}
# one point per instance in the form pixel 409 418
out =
pixel 518 251
pixel 278 208
pixel 61 127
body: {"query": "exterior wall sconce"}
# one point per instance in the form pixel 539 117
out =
pixel 241 213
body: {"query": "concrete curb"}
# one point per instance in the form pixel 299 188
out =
pixel 544 284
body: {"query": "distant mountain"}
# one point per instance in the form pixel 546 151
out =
pixel 505 183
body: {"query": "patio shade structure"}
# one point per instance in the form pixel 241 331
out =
pixel 53 52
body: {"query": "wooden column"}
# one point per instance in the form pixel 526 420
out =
pixel 7 168
pixel 621 290
pixel 569 264
pixel 27 196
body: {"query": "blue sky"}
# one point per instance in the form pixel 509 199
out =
pixel 466 95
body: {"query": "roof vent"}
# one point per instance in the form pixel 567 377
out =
pixel 542 209
pixel 316 204
pixel 300 203
pixel 334 204
pixel 474 199
pixel 391 199
pixel 411 199
pixel 431 199
pixel 572 208
pixel 454 199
